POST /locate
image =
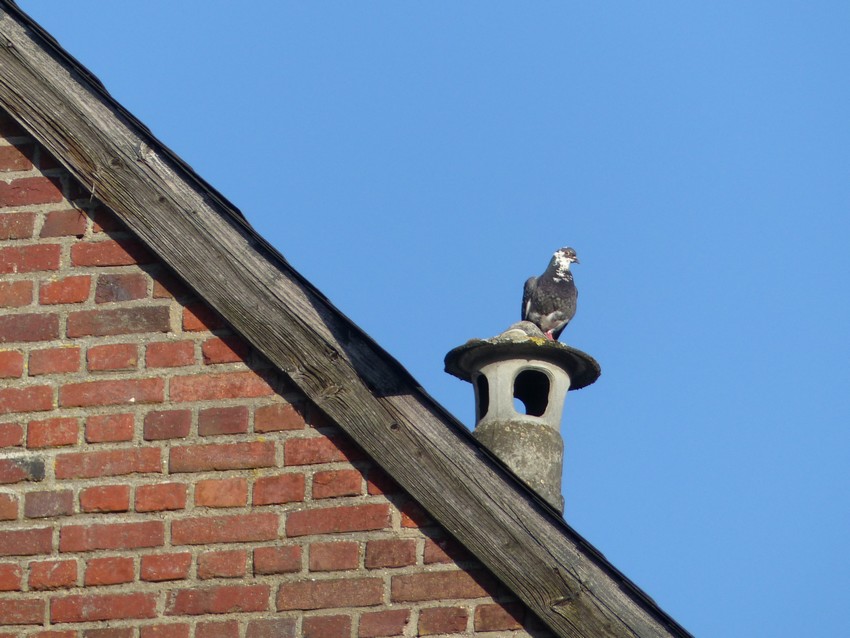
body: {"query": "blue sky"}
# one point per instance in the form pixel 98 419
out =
pixel 418 161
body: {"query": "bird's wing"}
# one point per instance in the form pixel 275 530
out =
pixel 567 311
pixel 527 291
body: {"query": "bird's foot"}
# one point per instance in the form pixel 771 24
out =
pixel 549 336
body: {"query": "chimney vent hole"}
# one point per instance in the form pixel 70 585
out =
pixel 532 388
pixel 483 387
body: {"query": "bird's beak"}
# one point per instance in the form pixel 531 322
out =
pixel 575 259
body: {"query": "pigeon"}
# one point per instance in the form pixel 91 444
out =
pixel 549 301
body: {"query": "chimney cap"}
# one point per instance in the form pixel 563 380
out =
pixel 523 340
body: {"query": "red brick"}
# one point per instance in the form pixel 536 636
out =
pixel 15 469
pixel 442 620
pixel 8 507
pixel 334 556
pixel 271 628
pixel 54 432
pixel 112 570
pixel 229 385
pixel 318 449
pixel 324 594
pixel 176 630
pixel 278 417
pixel 220 629
pixel 21 468
pixel 121 287
pixel 11 435
pixel 240 528
pixel 54 361
pixel 275 490
pixel 57 633
pixel 107 463
pixel 229 420
pixel 64 223
pixel 118 321
pixel 28 328
pixel 327 627
pixel 89 608
pixel 167 285
pixel 167 424
pixel 221 456
pixel 11 364
pixel 26 542
pixel 48 504
pixel 217 600
pixel 74 289
pixel 335 483
pixel 53 574
pixel 33 258
pixel 160 567
pixel 224 564
pixel 390 553
pixel 224 350
pixel 104 220
pixel 281 559
pixel 29 191
pixel 16 158
pixel 113 392
pixel 110 632
pixel 499 617
pixel 16 225
pixel 198 317
pixel 335 520
pixel 109 428
pixel 14 294
pixel 170 354
pixel 232 492
pixel 160 497
pixel 122 252
pixel 21 612
pixel 377 624
pixel 105 498
pixel 84 538
pixel 11 577
pixel 118 356
pixel 412 515
pixel 439 586
pixel 444 550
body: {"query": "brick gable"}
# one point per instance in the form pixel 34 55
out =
pixel 159 478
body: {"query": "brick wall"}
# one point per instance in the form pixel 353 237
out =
pixel 159 479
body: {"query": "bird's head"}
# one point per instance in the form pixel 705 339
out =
pixel 561 261
pixel 567 256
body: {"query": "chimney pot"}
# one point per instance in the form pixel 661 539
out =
pixel 521 363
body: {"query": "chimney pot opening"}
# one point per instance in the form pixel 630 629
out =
pixel 483 388
pixel 531 387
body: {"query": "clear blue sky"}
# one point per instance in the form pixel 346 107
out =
pixel 418 161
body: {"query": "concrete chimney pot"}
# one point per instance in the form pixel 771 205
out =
pixel 522 364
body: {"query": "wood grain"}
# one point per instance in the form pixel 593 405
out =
pixel 368 394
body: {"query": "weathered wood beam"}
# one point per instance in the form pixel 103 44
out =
pixel 560 578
